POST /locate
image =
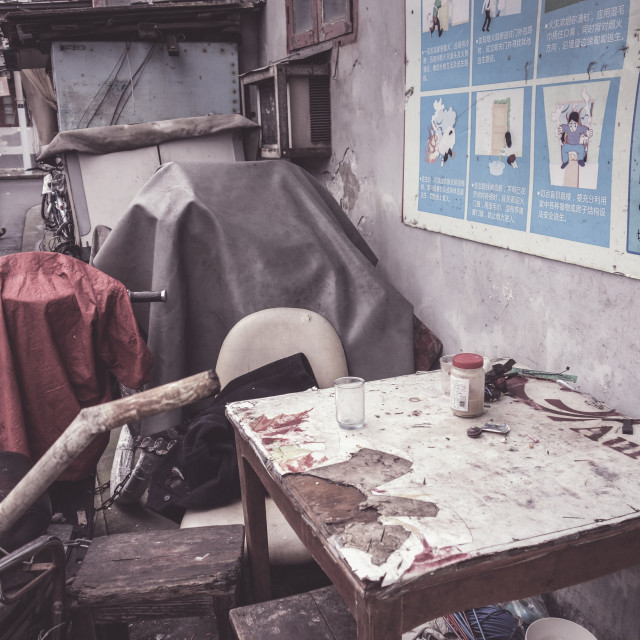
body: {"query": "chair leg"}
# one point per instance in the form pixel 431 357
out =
pixel 84 628
pixel 221 607
pixel 113 631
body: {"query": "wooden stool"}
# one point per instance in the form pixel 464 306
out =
pixel 315 615
pixel 161 574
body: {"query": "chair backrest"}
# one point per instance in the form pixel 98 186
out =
pixel 271 334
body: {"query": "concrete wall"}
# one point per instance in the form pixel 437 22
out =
pixel 545 314
pixel 11 147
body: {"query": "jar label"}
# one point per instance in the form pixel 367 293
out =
pixel 459 394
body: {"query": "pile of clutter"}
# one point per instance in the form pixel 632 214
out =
pixel 507 621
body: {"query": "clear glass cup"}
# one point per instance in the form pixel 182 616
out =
pixel 349 392
pixel 446 362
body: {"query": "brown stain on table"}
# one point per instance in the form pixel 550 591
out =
pixel 341 499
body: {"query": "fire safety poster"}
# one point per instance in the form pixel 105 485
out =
pixel 528 113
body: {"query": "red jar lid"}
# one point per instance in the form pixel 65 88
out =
pixel 468 361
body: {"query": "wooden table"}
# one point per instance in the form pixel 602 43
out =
pixel 412 519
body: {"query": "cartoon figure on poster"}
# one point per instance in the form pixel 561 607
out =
pixel 499 128
pixel 488 7
pixel 439 16
pixel 573 134
pixel 442 134
pixel 575 138
pixel 435 18
pixel 491 9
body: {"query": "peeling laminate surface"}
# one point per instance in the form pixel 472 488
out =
pixel 411 492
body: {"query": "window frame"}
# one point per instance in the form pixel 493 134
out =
pixel 4 119
pixel 342 29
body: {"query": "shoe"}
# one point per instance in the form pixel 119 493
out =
pixel 563 165
pixel 2 231
pixel 581 163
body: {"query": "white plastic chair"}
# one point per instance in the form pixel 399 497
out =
pixel 254 341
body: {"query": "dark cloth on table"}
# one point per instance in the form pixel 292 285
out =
pixel 64 327
pixel 205 458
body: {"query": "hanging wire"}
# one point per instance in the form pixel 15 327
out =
pixel 133 98
pixel 124 97
pixel 103 91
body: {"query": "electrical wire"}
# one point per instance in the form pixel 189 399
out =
pixel 124 99
pixel 103 90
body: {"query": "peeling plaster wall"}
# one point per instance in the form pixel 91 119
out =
pixel 545 314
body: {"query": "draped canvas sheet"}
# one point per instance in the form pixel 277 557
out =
pixel 125 137
pixel 229 239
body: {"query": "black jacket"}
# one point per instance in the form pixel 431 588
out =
pixel 201 471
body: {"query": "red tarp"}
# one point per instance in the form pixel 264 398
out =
pixel 64 325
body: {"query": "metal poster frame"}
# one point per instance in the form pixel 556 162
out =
pixel 522 126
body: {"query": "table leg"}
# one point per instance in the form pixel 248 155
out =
pixel 255 520
pixel 380 620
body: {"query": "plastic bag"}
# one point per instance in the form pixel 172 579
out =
pixel 528 609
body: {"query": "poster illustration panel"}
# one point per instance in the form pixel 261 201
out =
pixel 500 157
pixel 445 42
pixel 582 36
pixel 575 125
pixel 504 40
pixel 444 128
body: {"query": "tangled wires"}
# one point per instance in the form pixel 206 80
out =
pixel 485 623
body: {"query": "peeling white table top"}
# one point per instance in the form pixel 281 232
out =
pixel 564 466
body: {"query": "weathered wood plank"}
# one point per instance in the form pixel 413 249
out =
pixel 186 567
pixel 317 615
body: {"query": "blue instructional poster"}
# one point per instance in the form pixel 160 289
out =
pixel 444 128
pixel 582 36
pixel 575 125
pixel 504 39
pixel 525 132
pixel 500 157
pixel 445 44
pixel 633 226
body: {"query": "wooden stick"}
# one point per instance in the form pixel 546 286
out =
pixel 92 421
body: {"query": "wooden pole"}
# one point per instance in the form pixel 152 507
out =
pixel 92 421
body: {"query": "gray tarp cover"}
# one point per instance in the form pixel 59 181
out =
pixel 123 137
pixel 229 239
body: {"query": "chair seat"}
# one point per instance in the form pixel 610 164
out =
pixel 256 340
pixel 163 574
pixel 285 547
pixel 270 334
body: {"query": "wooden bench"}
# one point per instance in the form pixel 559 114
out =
pixel 156 575
pixel 315 615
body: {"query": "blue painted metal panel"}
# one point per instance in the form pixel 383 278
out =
pixel 105 83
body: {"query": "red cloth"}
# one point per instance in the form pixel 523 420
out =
pixel 64 325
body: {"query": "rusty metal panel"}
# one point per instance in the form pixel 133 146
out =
pixel 105 83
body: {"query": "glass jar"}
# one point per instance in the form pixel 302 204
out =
pixel 467 385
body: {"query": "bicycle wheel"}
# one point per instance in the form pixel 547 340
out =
pixel 47 212
pixel 67 248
